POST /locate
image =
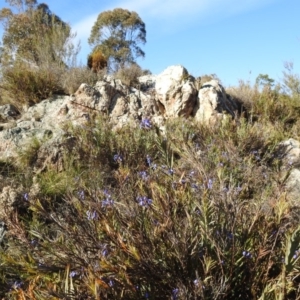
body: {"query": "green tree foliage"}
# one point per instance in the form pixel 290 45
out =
pixel 28 26
pixel 117 34
pixel 264 81
pixel 291 80
pixel 37 52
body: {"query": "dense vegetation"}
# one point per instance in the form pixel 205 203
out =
pixel 197 212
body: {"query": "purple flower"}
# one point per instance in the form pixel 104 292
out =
pixel 107 202
pixel 246 254
pixel 171 171
pixel 238 189
pixel 143 175
pixel 230 235
pixel 175 294
pixel 148 158
pixel 26 196
pixel 182 181
pixel 296 254
pixel 74 273
pixel 192 173
pixel 81 194
pixel 194 186
pixel 17 284
pixel 92 215
pixel 144 201
pixel 111 283
pixel 154 166
pixel 34 242
pixel 145 124
pixel 210 184
pixel 118 158
pixel 104 252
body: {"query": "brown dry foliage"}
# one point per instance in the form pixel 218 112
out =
pixel 97 61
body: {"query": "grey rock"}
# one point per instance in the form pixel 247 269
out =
pixel 8 112
pixel 214 103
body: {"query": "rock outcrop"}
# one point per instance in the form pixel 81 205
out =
pixel 167 95
pixel 289 153
pixel 171 94
pixel 213 103
pixel 175 94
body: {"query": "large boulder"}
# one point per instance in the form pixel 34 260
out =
pixel 122 104
pixel 213 103
pixel 169 94
pixel 41 122
pixel 46 120
pixel 175 92
pixel 288 152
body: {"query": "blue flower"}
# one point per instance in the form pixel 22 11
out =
pixel 92 215
pixel 17 284
pixel 118 158
pixel 238 189
pixel 111 283
pixel 210 184
pixel 34 242
pixel 104 252
pixel 81 194
pixel 192 173
pixel 194 186
pixel 175 294
pixel 143 175
pixel 246 254
pixel 107 202
pixel 145 124
pixel 144 201
pixel 74 273
pixel 26 196
pixel 296 254
pixel 171 171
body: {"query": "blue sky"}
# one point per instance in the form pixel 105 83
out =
pixel 235 39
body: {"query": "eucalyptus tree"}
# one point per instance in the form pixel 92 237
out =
pixel 118 34
pixel 32 32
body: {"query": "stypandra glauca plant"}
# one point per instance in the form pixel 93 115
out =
pixel 192 213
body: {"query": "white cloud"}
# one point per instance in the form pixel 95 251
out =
pixel 175 14
pixel 204 8
pixel 83 27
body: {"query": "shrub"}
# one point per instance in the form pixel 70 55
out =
pixel 38 66
pixel 97 61
pixel 197 213
pixel 291 81
pixel 129 75
pixel 23 85
pixel 75 76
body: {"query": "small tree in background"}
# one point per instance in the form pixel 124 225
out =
pixel 291 80
pixel 36 54
pixel 130 73
pixel 265 82
pixel 117 34
pixel 31 27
